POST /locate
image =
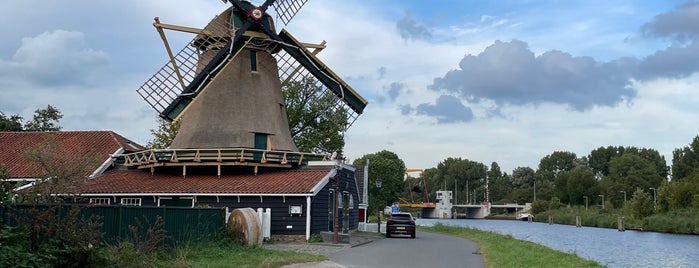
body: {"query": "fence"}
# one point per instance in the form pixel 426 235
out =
pixel 180 224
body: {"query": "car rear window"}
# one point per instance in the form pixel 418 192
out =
pixel 404 217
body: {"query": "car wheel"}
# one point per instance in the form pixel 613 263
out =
pixel 412 235
pixel 388 235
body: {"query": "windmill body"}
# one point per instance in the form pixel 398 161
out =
pixel 242 107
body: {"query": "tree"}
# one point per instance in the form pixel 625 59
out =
pixel 5 186
pixel 11 123
pixel 389 168
pixel 463 177
pixel 499 184
pixel 164 134
pixel 45 120
pixel 522 177
pixel 626 173
pixel 64 173
pixel 599 158
pixel 316 126
pixel 551 165
pixel 641 204
pixel 572 186
pixel 685 161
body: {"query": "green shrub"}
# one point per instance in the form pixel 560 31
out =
pixel 315 238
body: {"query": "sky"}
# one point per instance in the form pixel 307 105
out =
pixel 489 81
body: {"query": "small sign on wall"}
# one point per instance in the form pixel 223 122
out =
pixel 296 209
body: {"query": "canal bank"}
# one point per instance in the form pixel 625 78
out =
pixel 605 246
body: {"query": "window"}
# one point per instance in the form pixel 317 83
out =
pixel 131 201
pixel 253 60
pixel 99 201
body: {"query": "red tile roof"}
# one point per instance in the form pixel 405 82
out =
pixel 14 145
pixel 142 182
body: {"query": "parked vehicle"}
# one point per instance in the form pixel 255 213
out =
pixel 400 223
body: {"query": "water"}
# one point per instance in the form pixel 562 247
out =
pixel 605 246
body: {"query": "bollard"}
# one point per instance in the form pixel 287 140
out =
pixel 550 219
pixel 578 222
pixel 620 224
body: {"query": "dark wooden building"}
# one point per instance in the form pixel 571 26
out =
pixel 301 198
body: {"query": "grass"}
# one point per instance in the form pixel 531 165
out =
pixel 505 251
pixel 211 255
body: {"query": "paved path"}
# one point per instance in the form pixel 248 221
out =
pixel 427 250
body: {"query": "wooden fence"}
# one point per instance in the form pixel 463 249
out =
pixel 180 224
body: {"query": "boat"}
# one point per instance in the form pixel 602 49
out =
pixel 525 216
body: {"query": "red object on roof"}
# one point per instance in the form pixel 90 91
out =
pixel 142 182
pixel 14 146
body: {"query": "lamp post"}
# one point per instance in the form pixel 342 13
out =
pixel 585 201
pixel 534 190
pixel 655 197
pixel 336 236
pixel 602 200
pixel 624 197
pixel 378 197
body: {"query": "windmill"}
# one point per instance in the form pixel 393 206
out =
pixel 225 86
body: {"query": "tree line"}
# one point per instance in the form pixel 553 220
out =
pixel 615 176
pixel 43 120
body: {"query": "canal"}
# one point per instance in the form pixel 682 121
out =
pixel 606 246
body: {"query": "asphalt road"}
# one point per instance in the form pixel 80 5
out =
pixel 426 250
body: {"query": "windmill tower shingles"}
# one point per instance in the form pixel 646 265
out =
pixel 243 106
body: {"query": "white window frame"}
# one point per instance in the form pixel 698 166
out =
pixel 351 201
pixel 99 201
pixel 131 201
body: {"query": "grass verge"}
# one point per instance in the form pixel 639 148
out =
pixel 211 254
pixel 505 251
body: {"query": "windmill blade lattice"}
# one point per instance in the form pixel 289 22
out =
pixel 166 85
pixel 287 9
pixel 291 70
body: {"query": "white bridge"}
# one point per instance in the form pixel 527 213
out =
pixel 444 209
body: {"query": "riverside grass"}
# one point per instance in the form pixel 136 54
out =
pixel 212 255
pixel 505 251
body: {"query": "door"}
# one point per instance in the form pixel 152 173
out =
pixel 345 211
pixel 260 144
pixel 331 209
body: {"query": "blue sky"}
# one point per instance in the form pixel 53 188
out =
pixel 503 81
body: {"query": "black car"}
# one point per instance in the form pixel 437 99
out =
pixel 400 223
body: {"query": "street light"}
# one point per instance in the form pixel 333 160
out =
pixel 336 218
pixel 585 202
pixel 655 197
pixel 624 197
pixel 378 197
pixel 602 200
pixel 534 190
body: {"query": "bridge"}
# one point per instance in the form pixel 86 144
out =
pixel 444 209
pixel 480 211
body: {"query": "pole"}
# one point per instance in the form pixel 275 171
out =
pixel 534 190
pixel 335 217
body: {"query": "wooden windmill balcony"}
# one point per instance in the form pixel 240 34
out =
pixel 217 157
